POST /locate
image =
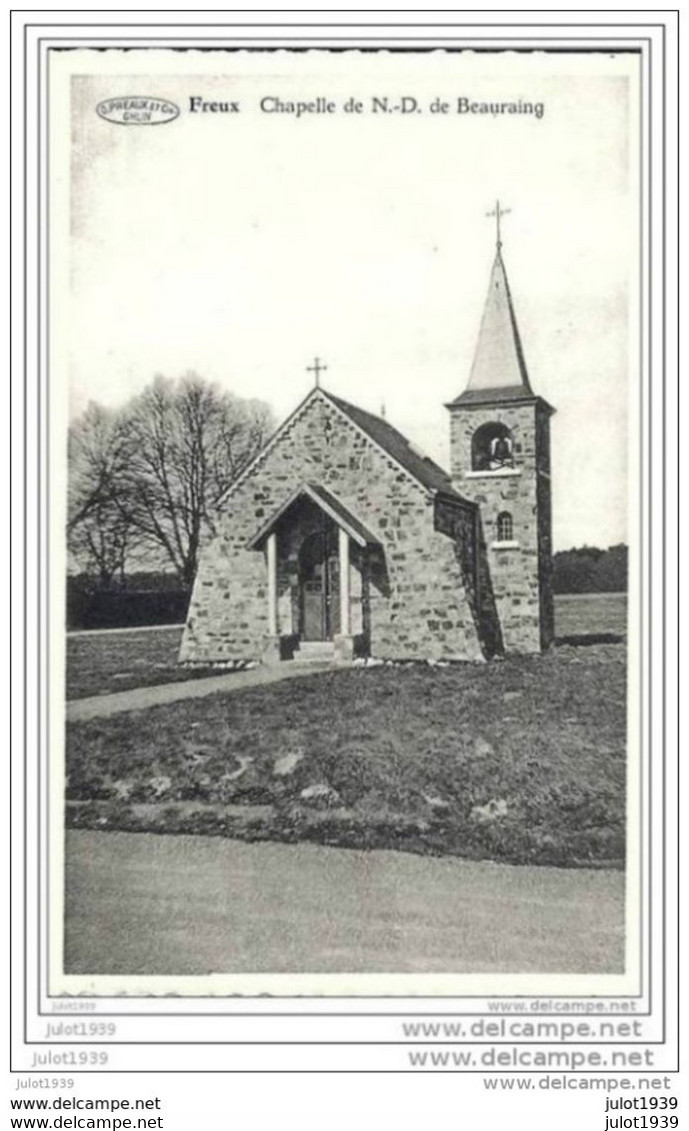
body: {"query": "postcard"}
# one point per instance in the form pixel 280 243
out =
pixel 344 400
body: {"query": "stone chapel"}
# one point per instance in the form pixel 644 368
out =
pixel 341 539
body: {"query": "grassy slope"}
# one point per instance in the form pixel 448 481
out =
pixel 401 758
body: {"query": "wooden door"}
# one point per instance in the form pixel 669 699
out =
pixel 312 576
pixel 319 574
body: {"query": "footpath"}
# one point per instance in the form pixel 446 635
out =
pixel 139 698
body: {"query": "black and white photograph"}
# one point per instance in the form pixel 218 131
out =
pixel 344 436
pixel 345 554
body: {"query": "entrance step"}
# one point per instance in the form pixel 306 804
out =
pixel 314 651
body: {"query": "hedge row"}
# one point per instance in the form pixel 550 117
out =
pixel 125 608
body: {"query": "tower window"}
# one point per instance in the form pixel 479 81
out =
pixel 505 527
pixel 492 447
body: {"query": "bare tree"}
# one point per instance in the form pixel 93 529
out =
pixel 102 542
pixel 98 533
pixel 184 442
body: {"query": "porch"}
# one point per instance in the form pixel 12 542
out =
pixel 319 558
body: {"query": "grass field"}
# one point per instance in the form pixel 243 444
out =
pixel 582 615
pixel 103 662
pixel 520 760
pixel 117 661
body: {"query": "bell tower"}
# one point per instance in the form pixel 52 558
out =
pixel 500 454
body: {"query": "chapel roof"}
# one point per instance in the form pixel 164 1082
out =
pixel 420 466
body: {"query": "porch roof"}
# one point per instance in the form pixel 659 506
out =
pixel 329 504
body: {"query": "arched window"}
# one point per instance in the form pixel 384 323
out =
pixel 505 527
pixel 491 447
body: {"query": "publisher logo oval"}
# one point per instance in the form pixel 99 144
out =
pixel 137 110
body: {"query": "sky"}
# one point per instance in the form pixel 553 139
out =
pixel 240 246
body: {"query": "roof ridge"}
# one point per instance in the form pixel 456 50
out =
pixel 385 424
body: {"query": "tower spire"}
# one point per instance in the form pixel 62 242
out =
pixel 499 358
pixel 498 364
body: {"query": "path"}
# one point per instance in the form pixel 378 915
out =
pixel 122 631
pixel 139 698
pixel 138 903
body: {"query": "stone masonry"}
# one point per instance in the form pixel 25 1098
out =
pixel 415 589
pixel 520 569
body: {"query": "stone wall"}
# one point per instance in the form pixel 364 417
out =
pixel 414 588
pixel 519 573
pixel 463 524
pixel 545 533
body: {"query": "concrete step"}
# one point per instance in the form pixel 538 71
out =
pixel 314 650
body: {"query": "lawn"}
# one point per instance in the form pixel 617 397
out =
pixel 521 760
pixel 100 663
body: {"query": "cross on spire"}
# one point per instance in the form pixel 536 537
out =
pixel 498 211
pixel 317 368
